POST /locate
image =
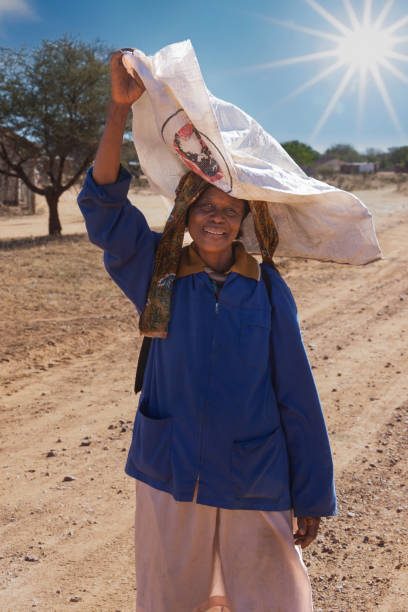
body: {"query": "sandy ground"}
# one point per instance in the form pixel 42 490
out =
pixel 68 347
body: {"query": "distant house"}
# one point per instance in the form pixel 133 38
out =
pixel 333 164
pixel 324 165
pixel 14 194
pixel 359 167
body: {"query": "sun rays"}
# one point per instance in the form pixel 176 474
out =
pixel 363 48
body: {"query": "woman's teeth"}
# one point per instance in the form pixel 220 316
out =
pixel 213 233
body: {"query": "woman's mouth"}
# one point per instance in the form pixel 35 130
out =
pixel 213 232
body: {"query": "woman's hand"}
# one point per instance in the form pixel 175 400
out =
pixel 125 89
pixel 308 526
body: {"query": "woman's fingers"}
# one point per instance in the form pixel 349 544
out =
pixel 308 527
pixel 126 88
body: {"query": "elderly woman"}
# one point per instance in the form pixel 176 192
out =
pixel 229 448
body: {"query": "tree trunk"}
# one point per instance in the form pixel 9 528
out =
pixel 54 225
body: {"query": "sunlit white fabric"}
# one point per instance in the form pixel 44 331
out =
pixel 180 125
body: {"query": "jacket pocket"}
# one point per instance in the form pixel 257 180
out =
pixel 151 445
pixel 254 339
pixel 260 467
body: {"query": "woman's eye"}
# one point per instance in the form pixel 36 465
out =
pixel 209 207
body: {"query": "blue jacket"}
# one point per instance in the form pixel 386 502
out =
pixel 228 396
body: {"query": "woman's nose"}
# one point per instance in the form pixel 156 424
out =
pixel 217 215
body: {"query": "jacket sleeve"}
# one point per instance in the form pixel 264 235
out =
pixel 311 465
pixel 122 232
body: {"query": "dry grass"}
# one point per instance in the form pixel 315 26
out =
pixel 57 302
pixel 363 182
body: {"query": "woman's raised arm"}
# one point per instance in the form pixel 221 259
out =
pixel 125 90
pixel 112 222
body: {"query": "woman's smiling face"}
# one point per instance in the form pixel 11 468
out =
pixel 214 220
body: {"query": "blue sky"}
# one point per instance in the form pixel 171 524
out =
pixel 232 39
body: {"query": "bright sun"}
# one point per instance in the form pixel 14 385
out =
pixel 363 49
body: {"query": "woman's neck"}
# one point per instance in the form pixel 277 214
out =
pixel 217 261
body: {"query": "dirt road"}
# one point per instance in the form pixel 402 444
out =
pixel 68 347
pixel 154 207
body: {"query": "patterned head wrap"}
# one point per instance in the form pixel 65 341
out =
pixel 155 317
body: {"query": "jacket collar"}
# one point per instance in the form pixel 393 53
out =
pixel 244 264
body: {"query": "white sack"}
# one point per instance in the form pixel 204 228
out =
pixel 178 124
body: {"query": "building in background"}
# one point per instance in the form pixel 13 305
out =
pixel 359 167
pixel 15 196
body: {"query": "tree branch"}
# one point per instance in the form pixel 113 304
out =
pixel 60 170
pixel 78 173
pixel 18 170
pixel 23 176
pixel 4 155
pixel 8 173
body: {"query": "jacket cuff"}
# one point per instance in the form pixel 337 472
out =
pixel 114 194
pixel 319 512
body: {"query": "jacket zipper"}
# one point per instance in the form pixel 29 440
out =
pixel 203 416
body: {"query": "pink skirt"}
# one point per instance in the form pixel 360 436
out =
pixel 196 558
